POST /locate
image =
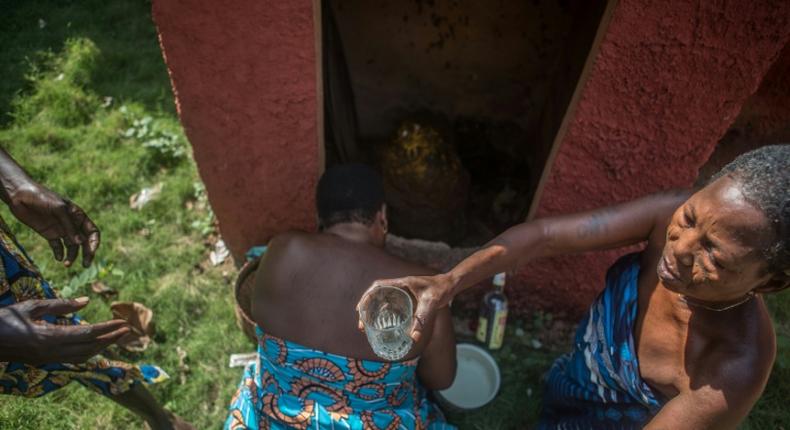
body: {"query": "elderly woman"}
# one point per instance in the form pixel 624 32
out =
pixel 680 337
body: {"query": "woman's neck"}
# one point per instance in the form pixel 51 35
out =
pixel 352 232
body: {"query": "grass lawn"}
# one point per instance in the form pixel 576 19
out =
pixel 86 107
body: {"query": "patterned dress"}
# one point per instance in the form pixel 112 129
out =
pixel 20 280
pixel 597 385
pixel 292 386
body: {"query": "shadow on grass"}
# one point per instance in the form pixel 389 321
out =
pixel 131 65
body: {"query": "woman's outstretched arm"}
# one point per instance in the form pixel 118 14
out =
pixel 605 228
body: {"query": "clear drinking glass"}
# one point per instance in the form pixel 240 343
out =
pixel 387 316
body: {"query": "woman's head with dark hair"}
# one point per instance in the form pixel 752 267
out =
pixel 732 237
pixel 349 193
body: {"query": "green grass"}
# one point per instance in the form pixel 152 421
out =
pixel 56 121
pixel 99 154
pixel 771 411
pixel 130 67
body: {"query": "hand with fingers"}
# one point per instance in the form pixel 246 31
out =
pixel 26 338
pixel 431 293
pixel 61 222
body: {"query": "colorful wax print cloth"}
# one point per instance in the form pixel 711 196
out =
pixel 292 386
pixel 597 385
pixel 20 280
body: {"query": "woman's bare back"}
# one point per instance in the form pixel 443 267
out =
pixel 307 287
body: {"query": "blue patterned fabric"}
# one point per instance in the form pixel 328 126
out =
pixel 20 280
pixel 597 385
pixel 292 386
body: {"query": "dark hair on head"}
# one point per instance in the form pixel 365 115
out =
pixel 764 178
pixel 349 193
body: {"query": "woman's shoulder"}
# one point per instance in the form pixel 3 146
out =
pixel 741 347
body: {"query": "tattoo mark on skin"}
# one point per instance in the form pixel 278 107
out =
pixel 597 225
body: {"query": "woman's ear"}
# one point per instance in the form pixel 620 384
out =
pixel 777 283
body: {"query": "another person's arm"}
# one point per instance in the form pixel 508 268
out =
pixel 436 369
pixel 600 229
pixel 24 336
pixel 61 222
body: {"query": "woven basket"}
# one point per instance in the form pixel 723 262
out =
pixel 243 292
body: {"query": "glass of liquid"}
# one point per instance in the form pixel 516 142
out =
pixel 387 316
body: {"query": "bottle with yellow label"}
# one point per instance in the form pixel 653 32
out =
pixel 493 315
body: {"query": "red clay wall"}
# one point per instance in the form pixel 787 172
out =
pixel 669 79
pixel 764 118
pixel 244 76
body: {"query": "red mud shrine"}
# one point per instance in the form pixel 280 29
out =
pixel 478 115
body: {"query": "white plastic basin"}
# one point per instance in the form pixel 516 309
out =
pixel 477 379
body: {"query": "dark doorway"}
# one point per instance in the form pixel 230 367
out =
pixel 456 103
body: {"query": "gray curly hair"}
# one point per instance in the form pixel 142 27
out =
pixel 764 178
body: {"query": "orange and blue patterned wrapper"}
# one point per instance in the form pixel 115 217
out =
pixel 20 280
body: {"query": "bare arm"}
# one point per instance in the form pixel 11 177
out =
pixel 705 409
pixel 599 229
pixel 61 222
pixel 26 338
pixel 438 360
pixel 606 228
pixel 721 397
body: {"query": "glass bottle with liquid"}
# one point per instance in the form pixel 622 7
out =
pixel 493 315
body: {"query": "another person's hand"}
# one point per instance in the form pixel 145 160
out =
pixel 25 338
pixel 58 220
pixel 431 292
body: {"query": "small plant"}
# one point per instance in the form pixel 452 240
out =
pixel 165 144
pixel 542 320
pixel 96 272
pixel 204 224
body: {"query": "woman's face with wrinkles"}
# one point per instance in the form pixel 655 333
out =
pixel 714 245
